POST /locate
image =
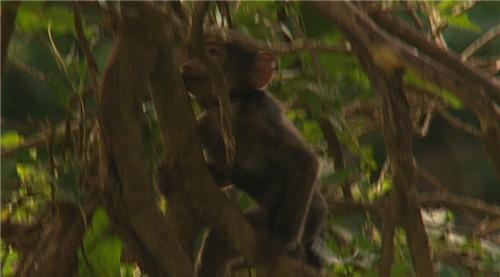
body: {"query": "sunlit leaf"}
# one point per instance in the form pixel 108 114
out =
pixel 102 249
pixel 10 139
pixel 463 22
pixel 12 258
pixel 447 96
pixel 34 17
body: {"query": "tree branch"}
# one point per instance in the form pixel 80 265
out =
pixel 451 201
pixel 143 62
pixel 467 83
pixel 8 14
pixel 335 152
pixel 453 63
pixel 481 41
pixel 386 77
pixel 457 123
pixel 130 199
pixel 84 45
pixel 247 42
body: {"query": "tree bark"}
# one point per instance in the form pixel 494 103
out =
pixel 130 199
pixel 387 80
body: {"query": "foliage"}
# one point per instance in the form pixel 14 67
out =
pixel 313 85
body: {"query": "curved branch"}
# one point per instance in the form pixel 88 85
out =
pixel 386 77
pixel 430 199
pixel 8 14
pixel 127 183
pixel 481 41
pixel 335 152
pixel 453 63
pixel 476 90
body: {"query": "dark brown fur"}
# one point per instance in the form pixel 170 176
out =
pixel 272 163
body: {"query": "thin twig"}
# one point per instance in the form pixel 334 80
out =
pixel 388 231
pixel 414 16
pixel 39 139
pixel 459 124
pixel 458 202
pixel 436 25
pixel 457 10
pixel 424 129
pixel 231 36
pixel 487 228
pixel 431 179
pixel 381 176
pixel 84 45
pixel 335 152
pixel 462 7
pixel 481 41
pixel 29 70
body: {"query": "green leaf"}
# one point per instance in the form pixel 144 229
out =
pixel 11 261
pixel 316 26
pixel 400 269
pixel 27 19
pixel 446 6
pixel 463 22
pixel 339 176
pixel 34 17
pixel 100 221
pixel 449 98
pixel 25 171
pixel 10 139
pixel 102 249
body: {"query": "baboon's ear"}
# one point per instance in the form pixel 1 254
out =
pixel 264 68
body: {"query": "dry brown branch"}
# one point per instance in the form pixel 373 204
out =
pixel 484 61
pixel 424 128
pixel 33 141
pixel 387 80
pixel 466 260
pixel 335 152
pixel 22 237
pixel 348 207
pixel 430 199
pixel 436 24
pixel 481 41
pixel 452 62
pixel 29 70
pixel 130 199
pixel 388 231
pixel 487 228
pixel 414 16
pixel 431 179
pixel 134 66
pixel 54 245
pixel 462 7
pixel 459 124
pixel 40 138
pixel 457 10
pixel 471 86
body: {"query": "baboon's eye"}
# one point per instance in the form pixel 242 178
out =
pixel 214 51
